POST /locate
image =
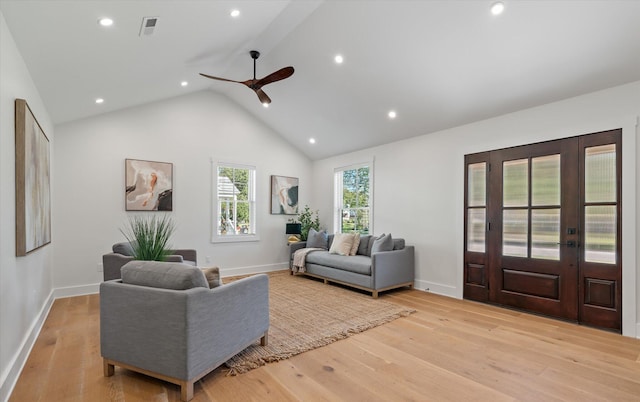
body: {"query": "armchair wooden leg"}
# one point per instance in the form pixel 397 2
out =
pixel 108 368
pixel 186 390
pixel 265 338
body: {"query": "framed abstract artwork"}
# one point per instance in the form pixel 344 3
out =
pixel 148 185
pixel 284 195
pixel 33 191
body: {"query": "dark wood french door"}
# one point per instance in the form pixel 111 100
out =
pixel 542 228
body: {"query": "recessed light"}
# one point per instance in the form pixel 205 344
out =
pixel 235 13
pixel 266 105
pixel 497 8
pixel 99 101
pixel 184 83
pixel 392 114
pixel 105 22
pixel 312 140
pixel 338 59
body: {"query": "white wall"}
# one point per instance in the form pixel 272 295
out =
pixel 419 194
pixel 25 282
pixel 187 131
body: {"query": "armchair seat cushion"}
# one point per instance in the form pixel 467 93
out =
pixel 165 275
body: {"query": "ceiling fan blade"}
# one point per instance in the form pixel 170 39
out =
pixel 222 79
pixel 263 97
pixel 281 74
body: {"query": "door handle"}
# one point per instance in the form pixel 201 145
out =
pixel 570 243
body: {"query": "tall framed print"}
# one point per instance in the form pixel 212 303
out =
pixel 33 178
pixel 284 195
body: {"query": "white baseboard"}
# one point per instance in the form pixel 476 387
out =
pixel 10 376
pixel 437 288
pixel 256 269
pixel 60 293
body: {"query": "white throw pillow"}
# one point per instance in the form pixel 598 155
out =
pixel 342 243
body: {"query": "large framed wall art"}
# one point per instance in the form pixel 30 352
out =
pixel 148 185
pixel 33 178
pixel 284 195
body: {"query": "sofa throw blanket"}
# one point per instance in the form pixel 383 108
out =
pixel 300 258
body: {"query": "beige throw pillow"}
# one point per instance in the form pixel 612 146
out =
pixel 342 243
pixel 213 276
pixel 356 244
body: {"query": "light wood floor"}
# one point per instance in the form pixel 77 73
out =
pixel 449 350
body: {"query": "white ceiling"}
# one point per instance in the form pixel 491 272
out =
pixel 439 64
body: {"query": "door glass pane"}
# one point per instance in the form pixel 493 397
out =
pixel 545 234
pixel 545 180
pixel 600 174
pixel 476 192
pixel 515 183
pixel 476 229
pixel 477 182
pixel 600 234
pixel 515 228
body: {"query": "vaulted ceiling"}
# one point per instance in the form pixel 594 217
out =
pixel 437 64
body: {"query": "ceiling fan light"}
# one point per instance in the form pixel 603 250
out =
pixel 265 104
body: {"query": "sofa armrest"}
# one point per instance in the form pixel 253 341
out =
pixel 390 268
pixel 111 264
pixel 187 254
pixel 174 258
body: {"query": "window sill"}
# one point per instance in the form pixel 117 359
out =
pixel 235 238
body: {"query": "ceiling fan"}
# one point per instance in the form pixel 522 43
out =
pixel 257 84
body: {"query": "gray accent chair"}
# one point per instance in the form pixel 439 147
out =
pixel 161 319
pixel 123 253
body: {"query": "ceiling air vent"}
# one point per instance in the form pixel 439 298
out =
pixel 148 26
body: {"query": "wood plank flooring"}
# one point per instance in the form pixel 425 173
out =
pixel 449 350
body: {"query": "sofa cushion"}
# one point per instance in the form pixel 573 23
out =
pixel 342 243
pixel 363 247
pixel 398 244
pixel 165 275
pixel 358 263
pixel 382 243
pixel 123 248
pixel 317 239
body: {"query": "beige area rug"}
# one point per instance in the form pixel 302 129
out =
pixel 307 314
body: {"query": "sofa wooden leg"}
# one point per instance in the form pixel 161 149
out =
pixel 186 390
pixel 374 294
pixel 108 368
pixel 264 341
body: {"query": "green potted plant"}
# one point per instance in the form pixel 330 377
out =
pixel 308 219
pixel 149 236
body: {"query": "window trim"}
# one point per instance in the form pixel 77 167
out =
pixel 337 192
pixel 215 204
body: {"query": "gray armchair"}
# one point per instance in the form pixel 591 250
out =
pixel 161 319
pixel 123 253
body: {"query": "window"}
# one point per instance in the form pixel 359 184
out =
pixel 353 199
pixel 235 209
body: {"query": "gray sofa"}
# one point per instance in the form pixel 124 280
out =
pixel 123 253
pixel 371 271
pixel 161 319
